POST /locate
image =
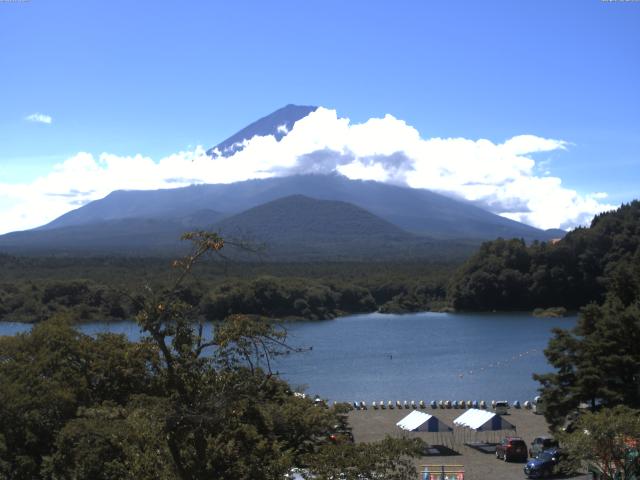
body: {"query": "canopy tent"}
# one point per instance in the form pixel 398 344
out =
pixel 482 421
pixel 423 422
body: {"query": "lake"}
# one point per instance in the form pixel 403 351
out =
pixel 429 356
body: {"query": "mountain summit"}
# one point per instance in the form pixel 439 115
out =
pixel 312 216
pixel 278 124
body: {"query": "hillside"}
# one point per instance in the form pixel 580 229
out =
pixel 579 269
pixel 126 236
pixel 294 228
pixel 299 218
pixel 414 210
pixel 308 229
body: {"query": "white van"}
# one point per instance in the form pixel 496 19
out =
pixel 538 406
pixel 502 407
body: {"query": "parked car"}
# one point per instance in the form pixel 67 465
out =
pixel 544 465
pixel 541 444
pixel 512 448
pixel 501 407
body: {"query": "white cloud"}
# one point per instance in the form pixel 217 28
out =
pixel 526 144
pixel 500 176
pixel 283 129
pixel 39 118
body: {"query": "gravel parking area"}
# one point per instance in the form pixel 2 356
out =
pixel 371 425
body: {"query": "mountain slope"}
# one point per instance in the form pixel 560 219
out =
pixel 294 228
pixel 123 204
pixel 299 218
pixel 414 210
pixel 278 124
pixel 148 236
pixel 303 228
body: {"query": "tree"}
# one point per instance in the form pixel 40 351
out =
pixel 48 375
pixel 389 459
pixel 111 442
pixel 178 404
pixel 227 416
pixel 577 270
pixel 597 362
pixel 608 441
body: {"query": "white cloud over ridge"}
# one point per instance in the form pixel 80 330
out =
pixel 39 118
pixel 501 177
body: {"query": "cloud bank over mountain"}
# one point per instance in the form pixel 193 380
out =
pixel 502 177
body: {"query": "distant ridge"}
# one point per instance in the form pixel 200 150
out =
pixel 413 210
pixel 293 228
pixel 128 236
pixel 278 124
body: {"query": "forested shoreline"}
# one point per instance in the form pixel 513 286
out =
pixel 572 272
pixel 33 289
pixel 504 275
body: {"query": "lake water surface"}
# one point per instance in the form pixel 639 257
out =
pixel 429 356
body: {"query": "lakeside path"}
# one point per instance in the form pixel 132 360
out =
pixel 371 425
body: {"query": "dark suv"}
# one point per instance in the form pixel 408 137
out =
pixel 512 448
pixel 541 444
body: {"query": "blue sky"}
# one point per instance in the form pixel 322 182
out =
pixel 156 78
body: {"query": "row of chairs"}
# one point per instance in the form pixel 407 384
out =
pixel 434 405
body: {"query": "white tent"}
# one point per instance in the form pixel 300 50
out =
pixel 482 421
pixel 423 422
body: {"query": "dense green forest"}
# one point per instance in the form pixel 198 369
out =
pixel 33 289
pixel 502 275
pixel 176 405
pixel 572 272
pixel 597 363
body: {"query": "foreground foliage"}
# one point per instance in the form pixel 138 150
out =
pixel 608 441
pixel 50 376
pixel 386 460
pixel 175 405
pixel 597 362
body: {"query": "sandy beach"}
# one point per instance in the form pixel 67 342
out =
pixel 371 425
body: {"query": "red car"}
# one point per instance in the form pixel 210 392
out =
pixel 512 448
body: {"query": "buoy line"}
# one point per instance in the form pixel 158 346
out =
pixel 498 363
